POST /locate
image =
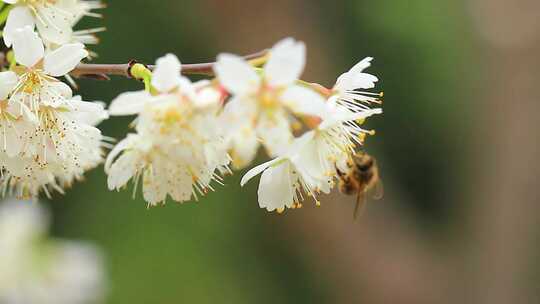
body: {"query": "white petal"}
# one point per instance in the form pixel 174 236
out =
pixel 119 148
pixel 167 73
pixel 64 59
pixel 362 65
pixel 352 81
pixel 286 63
pixel 17 108
pixel 123 169
pixel 54 25
pixel 312 164
pixel 60 89
pixel 19 17
pixel 13 145
pixel 55 93
pixel 275 131
pixel 207 97
pixel 236 75
pixel 302 100
pixel 276 188
pixel 299 144
pixel 244 147
pixel 182 187
pixel 155 185
pixel 91 113
pixel 257 170
pixel 27 46
pixel 239 112
pixel 187 88
pixel 8 81
pixel 129 103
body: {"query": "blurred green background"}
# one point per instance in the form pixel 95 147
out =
pixel 446 146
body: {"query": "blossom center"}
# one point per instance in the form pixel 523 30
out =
pixel 269 97
pixel 31 81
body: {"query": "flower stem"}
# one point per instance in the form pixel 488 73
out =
pixel 102 71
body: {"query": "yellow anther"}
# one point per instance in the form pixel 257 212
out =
pixel 362 137
pixel 297 126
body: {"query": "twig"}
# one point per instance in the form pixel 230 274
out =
pixel 101 71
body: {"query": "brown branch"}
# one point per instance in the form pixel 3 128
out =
pixel 102 71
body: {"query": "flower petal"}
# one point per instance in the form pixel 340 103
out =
pixel 181 190
pixel 8 81
pixel 55 93
pixel 91 113
pixel 276 188
pixel 312 163
pixel 302 100
pixel 355 78
pixel 362 65
pixel 129 103
pixel 257 170
pixel 352 81
pixel 244 146
pixel 275 131
pixel 167 73
pixel 155 185
pixel 236 75
pixel 119 148
pixel 207 98
pixel 27 46
pixel 286 63
pixel 64 59
pixel 54 24
pixel 123 169
pixel 19 17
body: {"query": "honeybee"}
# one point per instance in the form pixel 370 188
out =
pixel 362 178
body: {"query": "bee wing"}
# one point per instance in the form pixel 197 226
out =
pixel 360 204
pixel 377 192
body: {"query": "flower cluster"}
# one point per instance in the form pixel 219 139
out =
pixel 308 164
pixel 48 137
pixel 187 135
pixel 37 269
pixel 177 149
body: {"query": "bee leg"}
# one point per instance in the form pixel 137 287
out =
pixel 339 173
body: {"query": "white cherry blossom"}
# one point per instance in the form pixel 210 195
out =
pixel 350 87
pixel 49 136
pixel 309 166
pixel 287 179
pixel 53 19
pixel 263 102
pixel 37 84
pixel 178 150
pixel 334 141
pixel 40 270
